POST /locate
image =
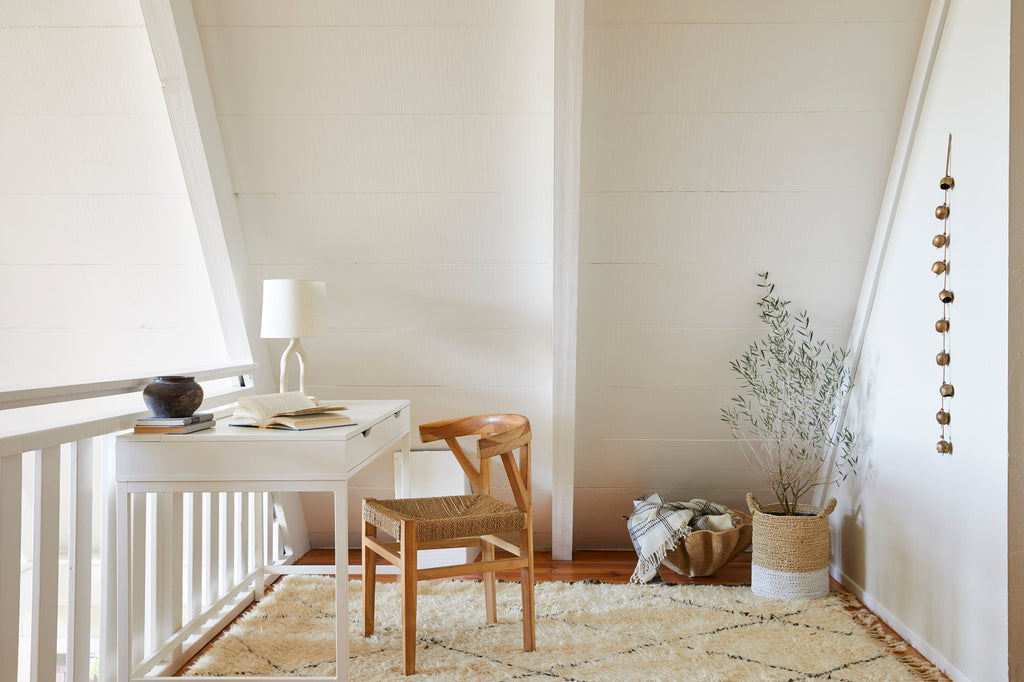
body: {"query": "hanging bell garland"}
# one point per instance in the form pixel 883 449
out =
pixel 941 267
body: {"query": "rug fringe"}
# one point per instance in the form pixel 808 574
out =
pixel 924 669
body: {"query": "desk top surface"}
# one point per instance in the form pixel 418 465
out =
pixel 365 414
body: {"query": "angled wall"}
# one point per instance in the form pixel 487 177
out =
pixel 921 536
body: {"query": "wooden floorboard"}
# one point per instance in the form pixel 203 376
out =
pixel 601 566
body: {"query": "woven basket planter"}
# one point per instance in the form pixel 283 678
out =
pixel 703 552
pixel 790 553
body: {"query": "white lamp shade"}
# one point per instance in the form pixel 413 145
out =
pixel 293 309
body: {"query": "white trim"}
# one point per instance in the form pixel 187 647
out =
pixel 1015 348
pixel 178 53
pixel 47 395
pixel 908 635
pixel 916 94
pixel 568 119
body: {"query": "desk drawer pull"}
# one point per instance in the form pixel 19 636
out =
pixel 366 433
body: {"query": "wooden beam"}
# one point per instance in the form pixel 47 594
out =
pixel 181 67
pixel 568 127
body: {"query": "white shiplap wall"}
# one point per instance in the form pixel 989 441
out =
pixel 101 273
pixel 401 151
pixel 719 140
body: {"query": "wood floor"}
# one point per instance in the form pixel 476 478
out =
pixel 603 566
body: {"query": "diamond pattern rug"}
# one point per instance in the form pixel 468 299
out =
pixel 585 632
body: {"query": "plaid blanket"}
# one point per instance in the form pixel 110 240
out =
pixel 656 527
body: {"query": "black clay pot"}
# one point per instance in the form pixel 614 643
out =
pixel 173 396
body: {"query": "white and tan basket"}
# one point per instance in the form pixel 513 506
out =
pixel 790 553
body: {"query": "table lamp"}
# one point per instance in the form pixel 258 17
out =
pixel 292 309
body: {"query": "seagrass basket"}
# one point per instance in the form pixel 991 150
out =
pixel 703 552
pixel 790 553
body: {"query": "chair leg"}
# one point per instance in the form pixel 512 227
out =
pixel 487 554
pixel 407 549
pixel 369 579
pixel 526 579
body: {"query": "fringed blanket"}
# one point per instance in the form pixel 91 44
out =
pixel 656 527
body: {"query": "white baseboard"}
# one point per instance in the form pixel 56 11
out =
pixel 911 637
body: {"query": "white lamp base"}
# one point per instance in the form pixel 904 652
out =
pixel 294 348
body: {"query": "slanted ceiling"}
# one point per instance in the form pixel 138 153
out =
pixel 402 152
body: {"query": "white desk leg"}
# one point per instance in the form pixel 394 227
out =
pixel 403 482
pixel 341 575
pixel 124 653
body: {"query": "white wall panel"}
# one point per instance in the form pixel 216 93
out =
pixel 392 227
pixel 410 170
pixel 88 155
pixel 87 71
pixel 746 151
pixel 415 69
pixel 389 153
pixel 437 295
pixel 653 462
pixel 713 295
pixel 72 229
pixel 101 272
pixel 70 13
pixel 725 227
pixel 660 67
pixel 431 357
pixel 654 413
pixel 379 13
pixel 719 140
pixel 687 357
pixel 743 12
pixel 126 293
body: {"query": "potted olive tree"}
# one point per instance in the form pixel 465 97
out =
pixel 787 421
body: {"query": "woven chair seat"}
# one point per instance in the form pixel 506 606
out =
pixel 445 518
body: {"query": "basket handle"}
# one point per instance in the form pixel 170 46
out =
pixel 827 509
pixel 753 505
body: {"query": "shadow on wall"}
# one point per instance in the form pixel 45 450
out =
pixel 848 543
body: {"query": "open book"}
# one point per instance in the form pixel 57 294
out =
pixel 291 410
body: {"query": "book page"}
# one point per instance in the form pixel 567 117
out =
pixel 258 409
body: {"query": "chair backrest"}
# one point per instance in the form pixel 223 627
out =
pixel 500 436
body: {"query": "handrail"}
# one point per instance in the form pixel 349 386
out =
pixel 77 420
pixel 48 395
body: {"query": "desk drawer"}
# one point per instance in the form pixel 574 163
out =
pixel 379 436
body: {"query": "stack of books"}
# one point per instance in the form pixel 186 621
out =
pixel 197 422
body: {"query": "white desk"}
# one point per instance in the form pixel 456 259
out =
pixel 237 459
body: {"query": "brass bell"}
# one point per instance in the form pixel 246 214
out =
pixel 942 326
pixel 940 240
pixel 946 390
pixel 942 358
pixel 946 296
pixel 942 417
pixel 939 267
pixel 944 447
pixel 946 183
pixel 942 211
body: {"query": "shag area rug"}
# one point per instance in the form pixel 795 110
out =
pixel 585 632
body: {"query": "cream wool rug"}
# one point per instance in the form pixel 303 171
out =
pixel 585 632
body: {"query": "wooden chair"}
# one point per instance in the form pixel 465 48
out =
pixel 457 521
